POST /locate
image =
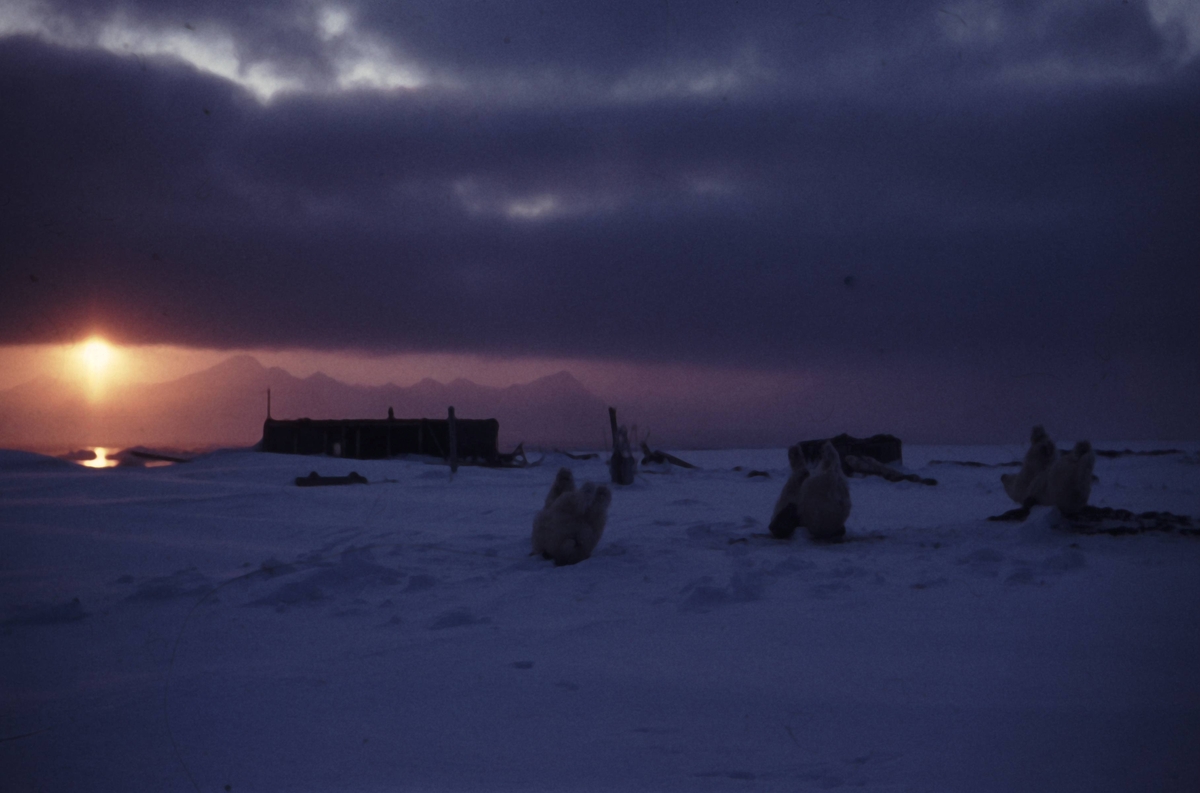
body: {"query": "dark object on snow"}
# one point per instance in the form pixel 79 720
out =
pixel 660 457
pixel 1129 452
pixel 883 448
pixel 585 456
pixel 973 464
pixel 868 466
pixel 1106 520
pixel 867 456
pixel 842 538
pixel 1115 522
pixel 316 480
pixel 159 457
pixel 621 466
pixel 1013 515
pixel 516 459
pixel 374 439
pixel 759 473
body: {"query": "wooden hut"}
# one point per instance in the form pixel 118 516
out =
pixel 374 439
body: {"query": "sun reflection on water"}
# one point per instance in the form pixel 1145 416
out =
pixel 101 460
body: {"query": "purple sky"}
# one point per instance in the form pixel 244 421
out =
pixel 929 207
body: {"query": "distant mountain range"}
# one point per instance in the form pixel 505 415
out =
pixel 226 405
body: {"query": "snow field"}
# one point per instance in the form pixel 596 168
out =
pixel 234 630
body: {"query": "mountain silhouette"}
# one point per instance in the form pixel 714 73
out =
pixel 226 405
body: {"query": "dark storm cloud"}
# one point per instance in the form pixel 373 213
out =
pixel 671 183
pixel 826 46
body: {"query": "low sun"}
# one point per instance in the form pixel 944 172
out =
pixel 97 363
pixel 97 354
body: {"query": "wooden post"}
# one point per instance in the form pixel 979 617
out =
pixel 622 465
pixel 453 432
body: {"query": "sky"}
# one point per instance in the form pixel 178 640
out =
pixel 920 207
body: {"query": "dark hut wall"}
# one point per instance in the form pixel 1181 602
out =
pixel 372 439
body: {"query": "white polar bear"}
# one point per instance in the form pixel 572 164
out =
pixel 564 482
pixel 786 515
pixel 825 498
pixel 1067 484
pixel 569 527
pixel 1041 455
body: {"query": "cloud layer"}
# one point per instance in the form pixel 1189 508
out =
pixel 649 182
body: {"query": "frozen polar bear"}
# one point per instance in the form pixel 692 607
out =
pixel 1041 455
pixel 1067 484
pixel 569 527
pixel 824 502
pixel 786 515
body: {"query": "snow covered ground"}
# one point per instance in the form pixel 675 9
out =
pixel 210 626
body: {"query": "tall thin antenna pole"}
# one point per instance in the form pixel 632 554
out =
pixel 452 431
